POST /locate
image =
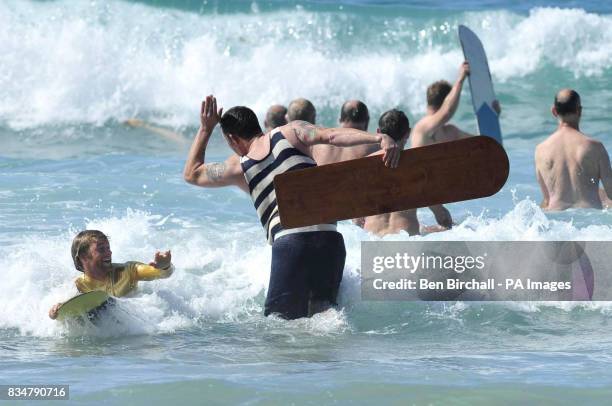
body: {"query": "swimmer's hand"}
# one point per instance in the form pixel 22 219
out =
pixel 391 150
pixel 359 222
pixel 53 310
pixel 162 260
pixel 464 71
pixel 209 115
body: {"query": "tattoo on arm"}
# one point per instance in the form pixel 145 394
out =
pixel 303 130
pixel 215 171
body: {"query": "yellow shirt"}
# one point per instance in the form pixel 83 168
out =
pixel 123 279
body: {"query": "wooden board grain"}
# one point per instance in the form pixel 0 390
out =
pixel 442 173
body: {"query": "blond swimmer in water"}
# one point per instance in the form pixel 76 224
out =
pixel 91 254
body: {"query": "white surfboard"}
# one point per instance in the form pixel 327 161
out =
pixel 481 85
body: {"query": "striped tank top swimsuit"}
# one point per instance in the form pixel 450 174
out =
pixel 259 174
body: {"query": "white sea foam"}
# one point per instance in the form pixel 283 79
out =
pixel 220 275
pixel 570 39
pixel 92 61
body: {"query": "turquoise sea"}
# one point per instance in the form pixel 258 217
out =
pixel 72 71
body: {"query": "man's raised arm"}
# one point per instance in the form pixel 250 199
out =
pixel 430 124
pixel 212 174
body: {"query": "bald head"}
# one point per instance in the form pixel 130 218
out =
pixel 302 109
pixel 354 114
pixel 567 104
pixel 275 117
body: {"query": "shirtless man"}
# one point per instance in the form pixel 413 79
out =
pixel 396 125
pixel 276 116
pixel 353 114
pixel 163 132
pixel 301 110
pixel 442 102
pixel 569 165
pixel 307 262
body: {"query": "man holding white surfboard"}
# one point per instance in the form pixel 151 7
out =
pixel 442 102
pixel 443 99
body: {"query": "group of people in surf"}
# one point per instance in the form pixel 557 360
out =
pixel 308 262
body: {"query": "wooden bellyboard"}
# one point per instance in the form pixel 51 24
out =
pixel 442 173
pixel 481 85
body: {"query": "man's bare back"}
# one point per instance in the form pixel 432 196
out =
pixel 442 102
pixel 445 133
pixel 568 170
pixel 393 223
pixel 327 154
pixel 396 124
pixel 569 165
pixel 353 114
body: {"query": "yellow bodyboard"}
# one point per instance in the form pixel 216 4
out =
pixel 82 304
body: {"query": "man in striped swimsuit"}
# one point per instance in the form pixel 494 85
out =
pixel 307 262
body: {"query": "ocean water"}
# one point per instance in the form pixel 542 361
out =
pixel 72 71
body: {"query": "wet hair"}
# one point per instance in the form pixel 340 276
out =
pixel 302 109
pixel 437 92
pixel 81 244
pixel 354 111
pixel 241 122
pixel 275 117
pixel 394 123
pixel 567 102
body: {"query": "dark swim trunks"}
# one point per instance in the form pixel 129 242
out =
pixel 305 267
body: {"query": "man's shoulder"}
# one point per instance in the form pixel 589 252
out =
pixel 420 134
pixel 547 142
pixel 594 144
pixel 539 147
pixel 129 266
pixel 451 132
pixel 234 164
pixel 423 122
pixel 595 149
pixel 79 282
pixel 233 159
pixel 585 145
